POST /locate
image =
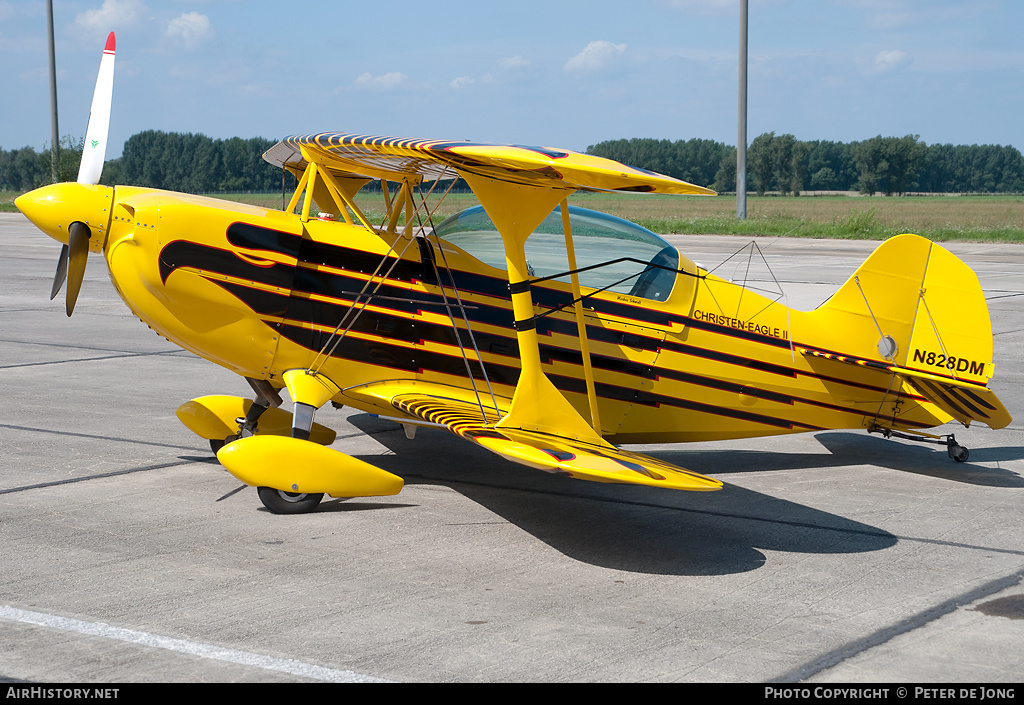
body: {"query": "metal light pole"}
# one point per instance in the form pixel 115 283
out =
pixel 54 132
pixel 741 136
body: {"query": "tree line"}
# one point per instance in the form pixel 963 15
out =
pixel 168 160
pixel 784 164
pixel 195 163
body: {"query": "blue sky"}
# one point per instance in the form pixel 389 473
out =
pixel 558 73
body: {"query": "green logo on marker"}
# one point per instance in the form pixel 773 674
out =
pixel 94 143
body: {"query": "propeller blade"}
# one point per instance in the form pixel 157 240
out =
pixel 78 250
pixel 95 148
pixel 62 272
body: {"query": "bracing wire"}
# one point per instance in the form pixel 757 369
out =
pixel 462 308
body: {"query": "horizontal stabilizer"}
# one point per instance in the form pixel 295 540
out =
pixel 964 401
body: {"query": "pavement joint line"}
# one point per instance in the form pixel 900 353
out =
pixel 208 651
pixel 87 359
pixel 100 476
pixel 82 347
pixel 837 656
pixel 15 427
pixel 155 444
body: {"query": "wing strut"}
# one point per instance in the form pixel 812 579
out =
pixel 516 210
pixel 581 326
pixel 458 299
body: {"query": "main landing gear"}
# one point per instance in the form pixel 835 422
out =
pixel 282 454
pixel 954 450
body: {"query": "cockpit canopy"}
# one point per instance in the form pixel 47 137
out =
pixel 597 238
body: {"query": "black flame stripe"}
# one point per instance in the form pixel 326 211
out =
pixel 728 358
pixel 421 361
pixel 255 237
pixel 460 418
pixel 309 281
pixel 297 311
pixel 976 398
pixel 184 253
pixel 645 398
pixel 960 398
pixel 405 359
pixel 351 259
pixel 940 394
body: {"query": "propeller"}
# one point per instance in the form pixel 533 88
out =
pixel 95 148
pixel 75 254
pixel 78 254
pixel 62 271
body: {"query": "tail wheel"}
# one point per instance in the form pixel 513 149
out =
pixel 958 453
pixel 281 502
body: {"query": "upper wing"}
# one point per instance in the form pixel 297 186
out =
pixel 397 159
pixel 461 412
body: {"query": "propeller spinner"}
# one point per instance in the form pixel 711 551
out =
pixel 77 214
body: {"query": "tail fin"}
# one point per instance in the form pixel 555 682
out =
pixel 914 308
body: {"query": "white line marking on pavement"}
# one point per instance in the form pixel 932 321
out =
pixel 245 658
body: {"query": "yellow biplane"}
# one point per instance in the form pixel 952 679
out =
pixel 540 331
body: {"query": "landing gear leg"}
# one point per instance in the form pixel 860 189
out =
pixel 309 393
pixel 954 450
pixel 279 501
pixel 266 397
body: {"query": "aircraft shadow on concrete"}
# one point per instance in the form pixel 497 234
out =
pixel 852 449
pixel 622 527
pixel 931 460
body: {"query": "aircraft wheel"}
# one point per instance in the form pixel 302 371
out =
pixel 959 453
pixel 280 502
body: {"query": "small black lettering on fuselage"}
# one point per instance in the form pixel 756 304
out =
pixel 740 324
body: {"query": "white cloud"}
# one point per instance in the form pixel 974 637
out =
pixel 383 82
pixel 514 62
pixel 887 61
pixel 191 28
pixel 462 82
pixel 113 13
pixel 594 55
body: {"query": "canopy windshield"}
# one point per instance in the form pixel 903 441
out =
pixel 597 237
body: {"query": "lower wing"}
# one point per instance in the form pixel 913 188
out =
pixel 462 412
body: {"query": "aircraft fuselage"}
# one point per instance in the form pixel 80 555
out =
pixel 260 292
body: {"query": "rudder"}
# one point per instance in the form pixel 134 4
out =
pixel 926 300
